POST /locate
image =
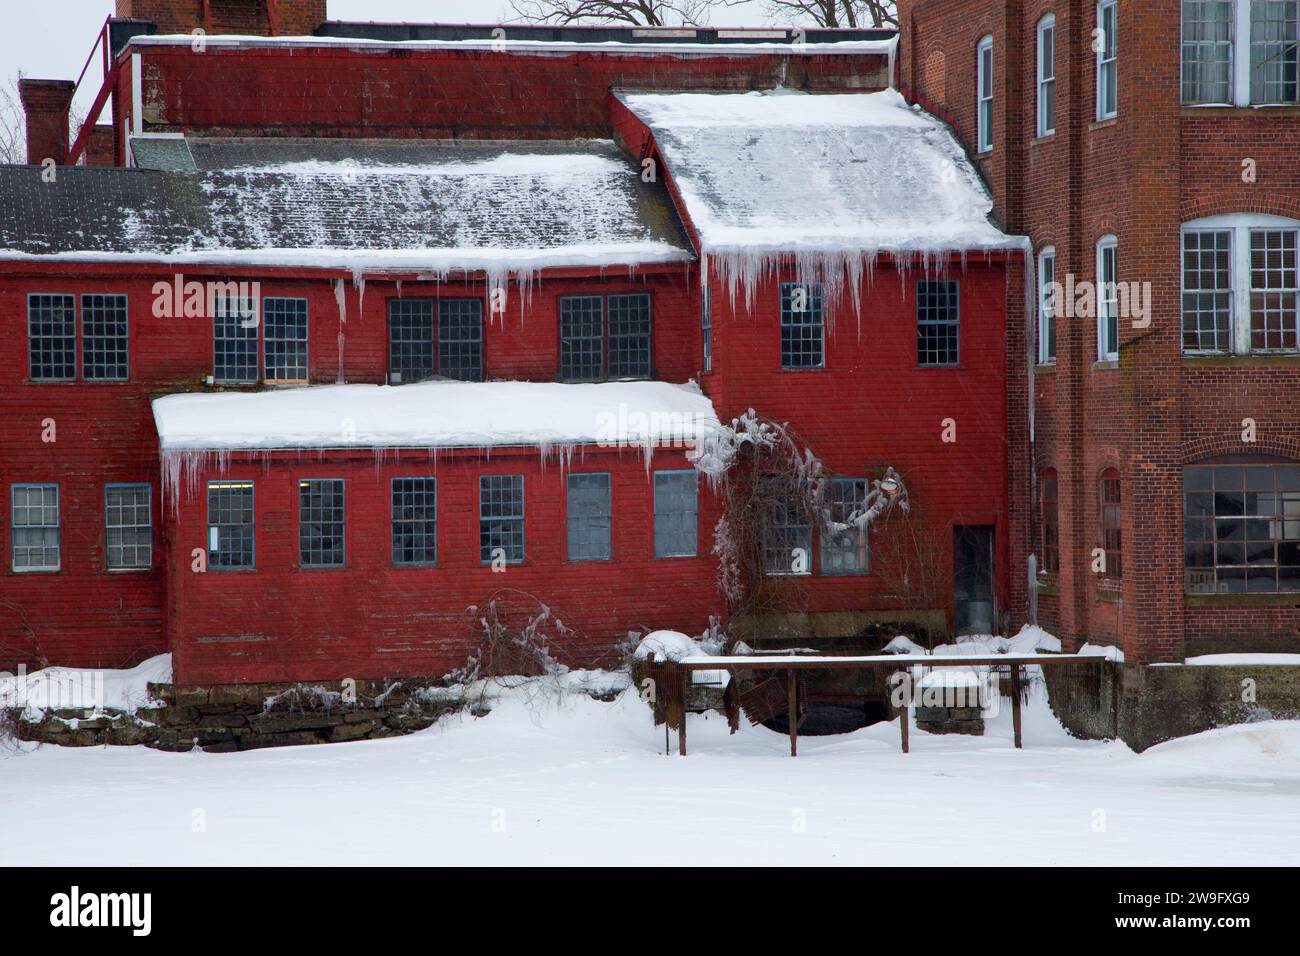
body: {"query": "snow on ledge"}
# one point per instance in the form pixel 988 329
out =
pixel 440 414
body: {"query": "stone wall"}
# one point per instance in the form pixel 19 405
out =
pixel 233 717
pixel 1147 705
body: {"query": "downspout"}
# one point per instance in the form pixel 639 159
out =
pixel 1031 357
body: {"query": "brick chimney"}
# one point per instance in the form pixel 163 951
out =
pixel 46 103
pixel 245 17
pixel 101 148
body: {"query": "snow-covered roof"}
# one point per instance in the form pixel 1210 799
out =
pixel 830 177
pixel 434 207
pixel 439 414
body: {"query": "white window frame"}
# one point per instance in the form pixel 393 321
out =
pixel 1241 225
pixel 1046 25
pixel 1102 62
pixel 984 78
pixel 1239 52
pixel 1047 254
pixel 1106 303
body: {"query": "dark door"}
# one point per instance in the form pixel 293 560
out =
pixel 973 611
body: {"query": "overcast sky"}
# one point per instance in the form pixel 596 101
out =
pixel 51 38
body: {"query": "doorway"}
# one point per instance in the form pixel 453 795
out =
pixel 974 608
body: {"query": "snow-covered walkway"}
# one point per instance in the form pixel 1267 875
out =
pixel 578 781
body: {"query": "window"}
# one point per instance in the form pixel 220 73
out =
pixel 706 328
pixel 52 338
pixel 285 339
pixel 676 514
pixel 629 336
pixel 230 525
pixel 410 340
pixel 1241 528
pixel 234 340
pixel 1240 53
pixel 1047 306
pixel 320 523
pixel 128 527
pixel 802 326
pixel 1240 282
pixel 1207 51
pixel 1049 522
pixel 1274 39
pixel 103 338
pixel 1273 290
pixel 1047 75
pixel 589 516
pixel 1107 300
pixel 415 520
pixel 501 518
pixel 35 523
pixel 787 533
pixel 845 551
pixel 937 323
pixel 984 94
pixel 1107 46
pixel 1207 291
pixel 1108 500
pixel 583 348
pixel 460 339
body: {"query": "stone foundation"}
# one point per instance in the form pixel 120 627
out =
pixel 950 720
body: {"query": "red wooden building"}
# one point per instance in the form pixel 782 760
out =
pixel 365 326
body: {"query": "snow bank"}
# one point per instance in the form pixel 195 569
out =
pixel 61 688
pixel 1101 650
pixel 833 179
pixel 1234 660
pixel 668 646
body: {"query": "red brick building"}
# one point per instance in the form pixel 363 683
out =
pixel 333 353
pixel 1156 145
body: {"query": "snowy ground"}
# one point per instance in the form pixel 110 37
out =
pixel 578 781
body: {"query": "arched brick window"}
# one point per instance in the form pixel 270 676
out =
pixel 1108 522
pixel 1049 522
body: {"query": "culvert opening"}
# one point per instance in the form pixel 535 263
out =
pixel 825 718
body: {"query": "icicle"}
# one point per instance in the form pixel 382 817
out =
pixel 359 283
pixel 343 320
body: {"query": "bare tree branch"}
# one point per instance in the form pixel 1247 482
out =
pixel 13 123
pixel 836 13
pixel 652 13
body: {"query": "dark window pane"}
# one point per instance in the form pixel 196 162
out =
pixel 410 340
pixel 501 518
pixel 582 338
pixel 285 339
pixel 128 527
pixel 103 338
pixel 415 520
pixel 803 330
pixel 230 525
pixel 460 339
pixel 629 336
pixel 321 523
pixel 52 337
pixel 234 340
pixel 937 323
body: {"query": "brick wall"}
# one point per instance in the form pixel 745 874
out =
pixel 244 17
pixel 1139 177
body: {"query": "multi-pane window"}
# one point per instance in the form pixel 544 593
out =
pixel 588 354
pixel 629 336
pixel 589 516
pixel 676 514
pixel 284 341
pixel 1274 291
pixel 52 338
pixel 1107 46
pixel 1241 528
pixel 1049 522
pixel 234 340
pixel 410 340
pixel 803 326
pixel 415 520
pixel 1047 306
pixel 1207 51
pixel 582 338
pixel 984 94
pixel 787 531
pixel 103 338
pixel 844 550
pixel 706 328
pixel 1109 516
pixel 1243 53
pixel 1274 39
pixel 321 523
pixel 460 339
pixel 501 518
pixel 1207 291
pixel 1047 75
pixel 1107 300
pixel 35 526
pixel 128 527
pixel 938 322
pixel 230 525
